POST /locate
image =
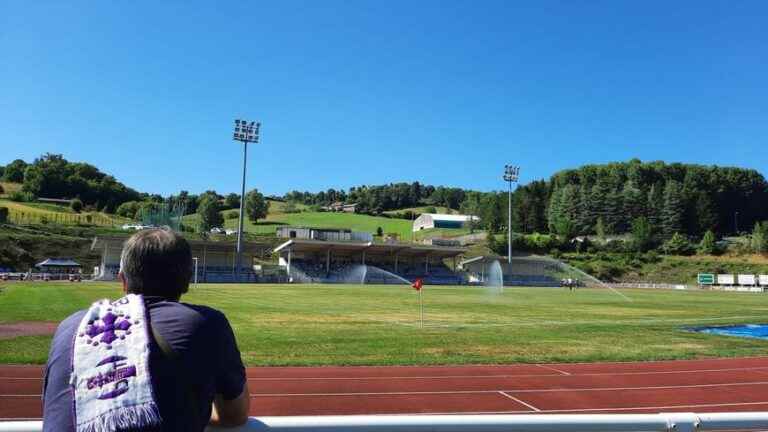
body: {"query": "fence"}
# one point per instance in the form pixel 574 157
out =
pixel 668 422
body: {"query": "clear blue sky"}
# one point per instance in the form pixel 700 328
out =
pixel 371 92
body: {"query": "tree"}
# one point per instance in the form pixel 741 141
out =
pixel 255 206
pixel 232 201
pixel 673 210
pixel 14 171
pixel 209 212
pixel 642 234
pixel 76 205
pixel 2 191
pixel 678 245
pixel 379 232
pixel 600 229
pixel 3 215
pixel 708 245
pixel 128 209
pixel 759 241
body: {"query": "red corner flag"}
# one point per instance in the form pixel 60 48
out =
pixel 417 284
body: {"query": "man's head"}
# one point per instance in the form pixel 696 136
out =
pixel 156 262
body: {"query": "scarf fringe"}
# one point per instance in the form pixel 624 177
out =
pixel 138 416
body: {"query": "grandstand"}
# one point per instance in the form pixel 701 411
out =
pixel 215 260
pixel 312 260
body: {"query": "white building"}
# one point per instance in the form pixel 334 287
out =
pixel 432 220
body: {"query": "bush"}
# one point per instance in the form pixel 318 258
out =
pixel 2 191
pixel 232 215
pixel 430 209
pixel 3 215
pixel 678 245
pixel 76 205
pixel 708 244
pixel 19 196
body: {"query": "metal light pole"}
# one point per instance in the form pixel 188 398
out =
pixel 511 174
pixel 245 132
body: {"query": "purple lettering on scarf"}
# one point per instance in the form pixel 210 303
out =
pixel 120 374
pixel 112 324
pixel 120 388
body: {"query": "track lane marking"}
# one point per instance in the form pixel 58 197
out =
pixel 513 391
pixel 519 401
pixel 762 369
pixel 562 372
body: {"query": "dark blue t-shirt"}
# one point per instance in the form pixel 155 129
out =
pixel 206 362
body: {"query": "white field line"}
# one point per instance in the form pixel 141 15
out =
pixel 519 401
pixel 759 369
pixel 562 372
pixel 512 391
pixel 532 322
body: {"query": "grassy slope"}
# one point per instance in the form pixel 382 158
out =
pixel 670 269
pixel 277 217
pixel 10 187
pixel 350 324
pixel 50 211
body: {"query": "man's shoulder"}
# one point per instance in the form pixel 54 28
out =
pixel 177 314
pixel 69 324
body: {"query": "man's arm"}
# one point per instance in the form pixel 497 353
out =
pixel 233 412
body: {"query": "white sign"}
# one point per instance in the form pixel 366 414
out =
pixel 764 280
pixel 725 279
pixel 747 280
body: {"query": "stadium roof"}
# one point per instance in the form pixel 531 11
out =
pixel 451 217
pixel 58 262
pixel 373 248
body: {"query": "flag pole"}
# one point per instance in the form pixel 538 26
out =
pixel 421 307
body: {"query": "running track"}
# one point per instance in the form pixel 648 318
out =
pixel 696 385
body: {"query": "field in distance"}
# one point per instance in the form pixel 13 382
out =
pixel 378 325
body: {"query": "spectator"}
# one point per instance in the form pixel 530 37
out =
pixel 195 375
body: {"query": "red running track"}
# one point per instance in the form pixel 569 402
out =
pixel 689 385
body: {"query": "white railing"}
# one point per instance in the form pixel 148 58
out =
pixel 668 422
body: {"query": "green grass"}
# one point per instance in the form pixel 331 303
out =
pixel 378 325
pixel 33 213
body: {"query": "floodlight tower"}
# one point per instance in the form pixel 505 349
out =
pixel 245 132
pixel 511 174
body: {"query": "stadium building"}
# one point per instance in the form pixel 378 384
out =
pixel 215 260
pixel 342 256
pixel 432 220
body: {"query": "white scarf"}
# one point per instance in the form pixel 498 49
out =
pixel 110 368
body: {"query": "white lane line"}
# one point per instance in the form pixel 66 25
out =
pixel 555 390
pixel 519 401
pixel 553 369
pixel 560 373
pixel 513 391
pixel 582 410
pixel 763 369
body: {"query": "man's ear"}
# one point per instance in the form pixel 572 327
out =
pixel 121 276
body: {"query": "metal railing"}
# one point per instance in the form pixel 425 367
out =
pixel 666 422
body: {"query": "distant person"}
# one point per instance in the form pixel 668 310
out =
pixel 146 361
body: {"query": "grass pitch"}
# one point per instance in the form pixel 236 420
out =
pixel 378 325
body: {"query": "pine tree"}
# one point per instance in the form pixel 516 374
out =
pixel 674 209
pixel 706 217
pixel 600 229
pixel 707 246
pixel 759 240
pixel 634 201
pixel 654 205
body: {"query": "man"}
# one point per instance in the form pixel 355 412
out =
pixel 197 376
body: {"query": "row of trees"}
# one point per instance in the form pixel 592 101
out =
pixel 52 176
pixel 378 199
pixel 210 207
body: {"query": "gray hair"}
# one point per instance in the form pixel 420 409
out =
pixel 156 262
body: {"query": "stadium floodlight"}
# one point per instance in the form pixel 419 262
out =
pixel 511 174
pixel 245 132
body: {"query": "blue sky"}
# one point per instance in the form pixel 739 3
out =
pixel 367 92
